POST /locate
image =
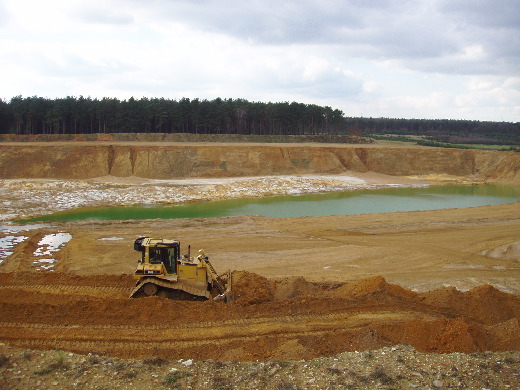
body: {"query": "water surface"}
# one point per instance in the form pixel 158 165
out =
pixel 342 203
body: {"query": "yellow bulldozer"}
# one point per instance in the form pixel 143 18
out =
pixel 162 271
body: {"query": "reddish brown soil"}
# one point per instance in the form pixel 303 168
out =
pixel 92 315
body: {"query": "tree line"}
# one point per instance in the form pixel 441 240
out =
pixel 71 115
pixel 80 115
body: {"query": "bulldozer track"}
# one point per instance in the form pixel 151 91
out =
pixel 163 344
pixel 167 285
pixel 117 339
pixel 45 288
pixel 325 318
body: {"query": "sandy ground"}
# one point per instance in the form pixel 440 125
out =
pixel 419 250
pixel 306 289
pixel 31 197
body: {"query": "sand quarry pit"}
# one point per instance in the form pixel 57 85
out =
pixel 93 314
pixel 444 282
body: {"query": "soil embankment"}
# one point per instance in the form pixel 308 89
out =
pixel 82 160
pixel 93 315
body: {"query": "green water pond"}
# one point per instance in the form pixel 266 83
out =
pixel 337 203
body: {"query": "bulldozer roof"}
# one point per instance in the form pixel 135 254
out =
pixel 142 242
pixel 159 241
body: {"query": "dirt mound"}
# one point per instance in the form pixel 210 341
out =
pixel 250 288
pixel 445 336
pixel 293 287
pixel 374 290
pixel 72 313
pixel 484 304
pixel 461 335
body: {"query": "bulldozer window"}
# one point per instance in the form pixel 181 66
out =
pixel 166 256
pixel 171 260
pixel 155 255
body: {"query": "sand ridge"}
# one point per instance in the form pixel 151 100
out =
pixel 321 321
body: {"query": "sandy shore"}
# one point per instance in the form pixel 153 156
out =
pixel 23 198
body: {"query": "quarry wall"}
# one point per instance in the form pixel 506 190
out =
pixel 160 161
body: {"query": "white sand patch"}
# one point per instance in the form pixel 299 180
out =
pixel 52 243
pixel 45 264
pixel 26 198
pixel 48 245
pixel 7 245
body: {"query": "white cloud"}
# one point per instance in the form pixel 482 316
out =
pixel 473 53
pixel 379 58
pixel 491 93
pixel 102 14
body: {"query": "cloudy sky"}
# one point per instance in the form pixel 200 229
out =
pixel 456 59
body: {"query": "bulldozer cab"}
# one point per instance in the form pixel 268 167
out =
pixel 158 251
pixel 165 255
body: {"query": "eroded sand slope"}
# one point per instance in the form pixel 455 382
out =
pixel 77 160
